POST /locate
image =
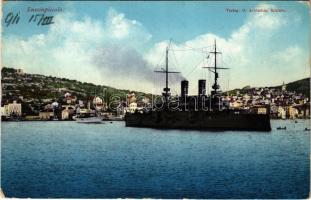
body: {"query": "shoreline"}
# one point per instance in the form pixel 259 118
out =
pixel 273 119
pixel 51 120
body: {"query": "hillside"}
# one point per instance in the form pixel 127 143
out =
pixel 36 90
pixel 299 87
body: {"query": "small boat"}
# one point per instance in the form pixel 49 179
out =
pixel 281 128
pixel 307 129
pixel 89 120
pixel 113 118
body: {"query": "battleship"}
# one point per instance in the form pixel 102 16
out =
pixel 202 111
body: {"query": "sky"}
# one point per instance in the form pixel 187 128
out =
pixel 120 44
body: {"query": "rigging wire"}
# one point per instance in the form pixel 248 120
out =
pixel 193 69
pixel 191 48
pixel 162 56
pixel 206 62
pixel 176 60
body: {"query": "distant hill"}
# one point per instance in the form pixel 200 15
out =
pixel 299 87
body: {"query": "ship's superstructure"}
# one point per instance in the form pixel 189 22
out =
pixel 200 111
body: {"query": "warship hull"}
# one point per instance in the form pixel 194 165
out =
pixel 189 116
pixel 201 120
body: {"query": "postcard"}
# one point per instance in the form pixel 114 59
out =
pixel 155 99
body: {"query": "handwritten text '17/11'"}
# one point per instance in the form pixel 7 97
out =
pixel 39 19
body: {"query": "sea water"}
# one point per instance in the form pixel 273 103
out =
pixel 72 160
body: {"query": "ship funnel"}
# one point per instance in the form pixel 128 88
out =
pixel 184 88
pixel 202 87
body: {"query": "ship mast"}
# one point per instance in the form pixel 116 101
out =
pixel 214 69
pixel 166 90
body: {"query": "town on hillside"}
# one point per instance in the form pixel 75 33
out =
pixel 37 97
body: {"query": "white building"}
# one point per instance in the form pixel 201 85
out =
pixel 235 104
pixel 246 97
pixel 83 111
pixel 67 113
pixel 283 87
pixel 262 110
pixel 12 109
pixel 5 111
pixel 133 107
pixel 281 112
pixel 293 112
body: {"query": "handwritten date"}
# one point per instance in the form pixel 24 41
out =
pixel 39 19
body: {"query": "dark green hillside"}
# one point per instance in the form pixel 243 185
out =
pixel 300 86
pixel 38 88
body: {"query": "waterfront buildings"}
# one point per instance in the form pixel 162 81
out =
pixel 36 96
pixel 46 115
pixel 12 109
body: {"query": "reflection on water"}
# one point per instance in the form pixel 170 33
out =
pixel 66 159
